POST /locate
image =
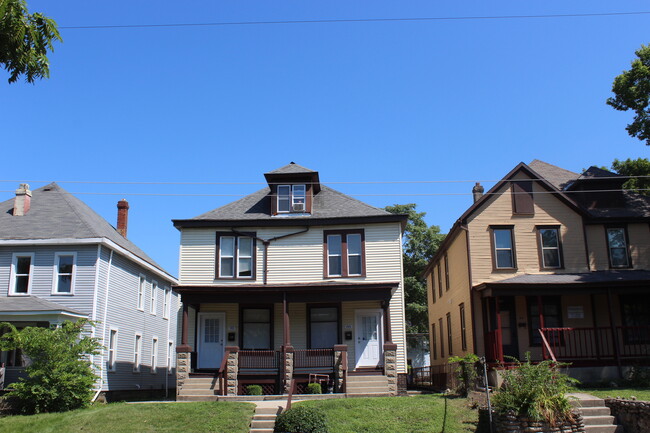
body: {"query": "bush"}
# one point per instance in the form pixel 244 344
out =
pixel 536 391
pixel 465 372
pixel 314 388
pixel 60 376
pixel 254 390
pixel 301 420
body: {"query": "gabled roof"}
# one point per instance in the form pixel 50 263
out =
pixel 56 214
pixel 594 172
pixel 291 168
pixel 556 176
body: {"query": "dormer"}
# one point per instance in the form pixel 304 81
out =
pixel 292 190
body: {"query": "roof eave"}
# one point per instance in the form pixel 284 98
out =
pixel 288 222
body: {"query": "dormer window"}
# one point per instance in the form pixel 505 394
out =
pixel 292 198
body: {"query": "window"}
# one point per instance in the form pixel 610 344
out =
pixel 463 327
pixel 344 253
pixel 442 338
pixel 503 248
pixel 522 198
pixel 170 356
pixel 154 297
pixel 137 353
pixel 449 346
pixel 433 286
pixel 549 247
pixel 439 281
pixel 167 302
pixel 323 327
pixel 154 354
pixel 236 256
pixel 256 328
pixel 21 274
pixel 112 349
pixel 446 272
pixel 64 267
pixel 635 311
pixel 434 342
pixel 552 314
pixel 292 198
pixel 617 245
pixel 141 286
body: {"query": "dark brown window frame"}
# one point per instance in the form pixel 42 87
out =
pixel 433 287
pixel 344 253
pixel 237 235
pixel 439 270
pixel 540 252
pixel 274 197
pixel 463 326
pixel 442 338
pixel 434 341
pixel 446 259
pixel 450 347
pixel 627 246
pixel 271 309
pixel 494 251
pixel 522 196
pixel 533 334
pixel 339 328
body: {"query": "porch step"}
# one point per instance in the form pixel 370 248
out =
pixel 199 389
pixel 182 397
pixel 595 415
pixel 366 385
pixel 264 418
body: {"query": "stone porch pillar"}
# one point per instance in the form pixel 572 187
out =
pixel 183 366
pixel 232 370
pixel 390 366
pixel 289 354
pixel 340 366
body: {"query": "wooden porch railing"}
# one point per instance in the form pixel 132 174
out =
pixel 314 359
pixel 493 346
pixel 260 359
pixel 221 374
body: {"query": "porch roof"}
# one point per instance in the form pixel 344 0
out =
pixel 326 291
pixel 21 307
pixel 590 282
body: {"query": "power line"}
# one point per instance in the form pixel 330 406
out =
pixel 355 20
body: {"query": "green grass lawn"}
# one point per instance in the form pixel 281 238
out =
pixel 639 393
pixel 223 417
pixel 423 413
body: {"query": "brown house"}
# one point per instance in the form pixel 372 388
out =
pixel 549 262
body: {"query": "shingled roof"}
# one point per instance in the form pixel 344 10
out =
pixel 556 176
pixel 291 168
pixel 56 214
pixel 24 304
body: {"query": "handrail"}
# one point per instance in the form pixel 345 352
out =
pixel 291 387
pixel 547 346
pixel 221 375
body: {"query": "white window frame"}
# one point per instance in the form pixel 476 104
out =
pixel 55 278
pixel 137 352
pixel 170 354
pixel 289 198
pixel 167 297
pixel 142 285
pixel 360 254
pixel 303 196
pixel 625 248
pixel 329 254
pixel 236 256
pixel 12 278
pixel 112 349
pixel 557 247
pixel 154 297
pixel 511 248
pixel 154 354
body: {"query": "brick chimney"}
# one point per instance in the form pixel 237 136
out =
pixel 477 191
pixel 122 216
pixel 23 200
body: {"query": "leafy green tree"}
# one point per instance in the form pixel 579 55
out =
pixel 25 40
pixel 59 374
pixel 632 92
pixel 421 242
pixel 634 167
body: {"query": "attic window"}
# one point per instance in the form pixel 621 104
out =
pixel 292 198
pixel 522 198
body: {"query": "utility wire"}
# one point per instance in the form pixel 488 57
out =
pixel 354 20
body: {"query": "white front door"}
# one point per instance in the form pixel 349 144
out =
pixel 211 339
pixel 369 334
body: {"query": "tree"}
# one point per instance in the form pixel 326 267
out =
pixel 632 92
pixel 25 40
pixel 59 374
pixel 421 242
pixel 634 167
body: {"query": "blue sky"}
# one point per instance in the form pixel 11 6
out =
pixel 462 100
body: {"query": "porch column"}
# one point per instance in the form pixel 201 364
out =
pixel 390 366
pixel 232 370
pixel 614 334
pixel 540 314
pixel 286 322
pixel 288 368
pixel 499 340
pixel 340 366
pixel 183 354
pixel 387 328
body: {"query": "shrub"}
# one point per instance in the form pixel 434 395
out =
pixel 537 391
pixel 314 388
pixel 301 420
pixel 254 390
pixel 60 376
pixel 465 372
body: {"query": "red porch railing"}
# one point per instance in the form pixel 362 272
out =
pixel 493 346
pixel 314 359
pixel 259 359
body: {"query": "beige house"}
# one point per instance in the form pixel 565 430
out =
pixel 549 262
pixel 292 284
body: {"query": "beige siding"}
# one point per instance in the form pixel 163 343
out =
pixel 639 246
pixel 549 210
pixel 598 257
pixel 639 235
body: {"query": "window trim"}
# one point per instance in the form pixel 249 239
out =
pixel 441 330
pixel 433 286
pixel 170 356
pixel 292 198
pixel 153 308
pixel 13 274
pixel 142 288
pixel 344 253
pixel 439 270
pixel 463 326
pixel 235 276
pixel 55 273
pixel 111 355
pixel 167 300
pixel 271 309
pixel 154 355
pixel 446 258
pixel 540 247
pixel 450 347
pixel 434 341
pixel 627 246
pixel 492 230
pixel 546 300
pixel 338 321
pixel 137 352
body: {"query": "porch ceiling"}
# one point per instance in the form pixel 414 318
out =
pixel 307 292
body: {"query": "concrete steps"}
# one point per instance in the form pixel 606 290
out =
pixel 264 419
pixel 366 386
pixel 199 389
pixel 595 415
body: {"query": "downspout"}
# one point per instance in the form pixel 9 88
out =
pixel 108 277
pixel 93 316
pixel 167 351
